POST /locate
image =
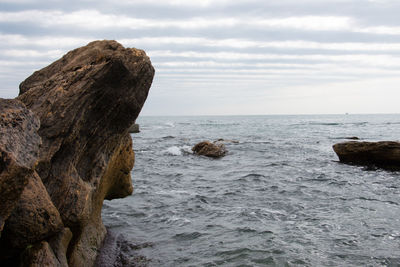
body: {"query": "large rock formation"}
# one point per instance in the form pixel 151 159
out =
pixel 86 101
pixel 385 154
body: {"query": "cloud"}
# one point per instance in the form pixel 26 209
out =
pixel 230 50
pixel 244 43
pixel 95 20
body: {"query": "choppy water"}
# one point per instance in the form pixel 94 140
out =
pixel 278 198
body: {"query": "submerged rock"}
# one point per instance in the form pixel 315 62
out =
pixel 221 140
pixel 384 154
pixel 352 138
pixel 86 101
pixel 208 149
pixel 118 251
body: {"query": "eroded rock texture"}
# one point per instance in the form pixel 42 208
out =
pixel 384 154
pixel 86 101
pixel 19 148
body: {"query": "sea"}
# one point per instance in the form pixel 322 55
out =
pixel 279 197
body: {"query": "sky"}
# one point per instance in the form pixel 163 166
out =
pixel 220 57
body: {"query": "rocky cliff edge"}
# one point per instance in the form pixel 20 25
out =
pixel 64 148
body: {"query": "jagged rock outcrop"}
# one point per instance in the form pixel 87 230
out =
pixel 384 154
pixel 208 149
pixel 19 149
pixel 86 101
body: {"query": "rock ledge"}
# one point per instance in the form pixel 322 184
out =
pixel 384 154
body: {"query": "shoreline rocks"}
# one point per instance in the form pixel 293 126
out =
pixel 384 154
pixel 86 101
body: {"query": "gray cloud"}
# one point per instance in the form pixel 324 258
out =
pixel 227 51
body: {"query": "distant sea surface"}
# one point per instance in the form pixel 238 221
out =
pixel 278 198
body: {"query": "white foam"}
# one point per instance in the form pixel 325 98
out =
pixel 187 149
pixel 178 150
pixel 174 151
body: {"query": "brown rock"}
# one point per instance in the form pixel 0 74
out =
pixel 39 255
pixel 208 149
pixel 34 218
pixel 384 154
pixel 86 102
pixel 116 183
pixel 59 245
pixel 19 147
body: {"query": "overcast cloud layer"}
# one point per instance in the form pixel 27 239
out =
pixel 224 57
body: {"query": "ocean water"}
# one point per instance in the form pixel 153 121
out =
pixel 278 198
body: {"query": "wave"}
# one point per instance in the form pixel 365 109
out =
pixel 178 150
pixel 168 137
pixel 325 123
pixel 188 236
pixel 169 124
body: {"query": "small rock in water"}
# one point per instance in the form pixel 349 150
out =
pixel 134 128
pixel 227 141
pixel 208 149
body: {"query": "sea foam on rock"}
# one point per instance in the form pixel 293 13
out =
pixel 86 101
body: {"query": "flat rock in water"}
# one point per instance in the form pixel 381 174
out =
pixel 384 154
pixel 208 149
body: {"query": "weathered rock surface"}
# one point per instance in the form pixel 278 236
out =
pixel 59 245
pixel 384 154
pixel 86 101
pixel 208 149
pixel 19 148
pixel 34 218
pixel 39 255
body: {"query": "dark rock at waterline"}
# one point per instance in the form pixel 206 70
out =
pixel 118 252
pixel 19 149
pixel 134 128
pixel 384 154
pixel 352 138
pixel 86 102
pixel 221 140
pixel 208 149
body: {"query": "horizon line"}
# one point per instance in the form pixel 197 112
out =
pixel 273 114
